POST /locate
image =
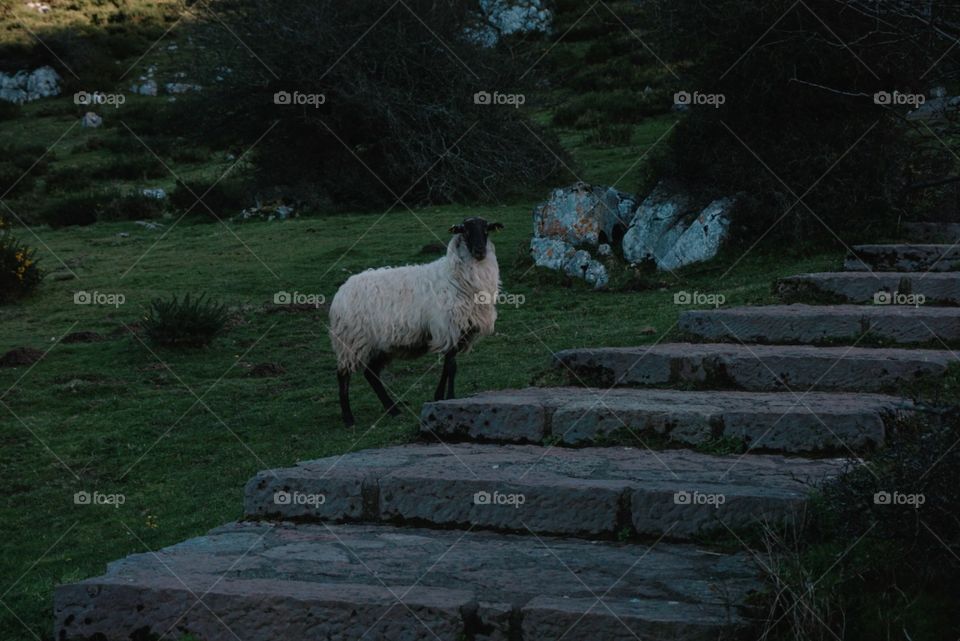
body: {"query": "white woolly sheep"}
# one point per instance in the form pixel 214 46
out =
pixel 438 307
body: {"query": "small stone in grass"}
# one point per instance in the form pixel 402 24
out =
pixel 648 331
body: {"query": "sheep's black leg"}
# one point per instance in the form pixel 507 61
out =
pixel 446 377
pixel 372 374
pixel 450 363
pixel 343 382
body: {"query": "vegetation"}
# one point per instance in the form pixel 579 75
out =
pixel 19 272
pixel 183 322
pixel 799 127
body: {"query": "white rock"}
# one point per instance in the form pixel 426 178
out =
pixel 157 193
pixel 181 87
pixel 148 88
pixel 149 226
pixel 604 250
pixel 551 253
pixel 584 214
pixel 703 238
pixel 582 265
pixel 654 227
pixel 91 120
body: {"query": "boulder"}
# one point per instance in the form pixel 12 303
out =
pixel 24 87
pixel 702 239
pixel 43 83
pixel 669 229
pixel 582 265
pixel 156 193
pixel 551 253
pixel 501 18
pixel 583 214
pixel 91 121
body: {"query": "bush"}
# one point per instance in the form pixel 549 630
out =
pixel 869 565
pixel 804 107
pixel 184 323
pixel 224 198
pixel 19 273
pixel 79 210
pixel 130 207
pixel 398 109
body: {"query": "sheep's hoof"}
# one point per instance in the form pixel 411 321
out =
pixel 349 422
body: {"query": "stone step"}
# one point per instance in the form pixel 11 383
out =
pixel 576 416
pixel 266 582
pixel 762 368
pixel 903 258
pixel 881 288
pixel 818 324
pixel 931 232
pixel 590 492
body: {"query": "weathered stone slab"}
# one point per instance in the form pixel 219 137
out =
pixel 881 288
pixel 765 368
pixel 903 258
pixel 812 324
pixel 786 421
pixel 592 492
pixel 931 232
pixel 263 582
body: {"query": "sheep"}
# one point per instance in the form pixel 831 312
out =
pixel 437 307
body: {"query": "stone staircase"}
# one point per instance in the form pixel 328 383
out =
pixel 566 512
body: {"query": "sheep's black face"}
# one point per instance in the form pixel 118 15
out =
pixel 475 232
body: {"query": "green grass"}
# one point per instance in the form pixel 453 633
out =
pixel 119 416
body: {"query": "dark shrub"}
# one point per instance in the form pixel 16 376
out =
pixel 803 105
pixel 79 210
pixel 130 207
pixel 224 198
pixel 400 105
pixel 184 322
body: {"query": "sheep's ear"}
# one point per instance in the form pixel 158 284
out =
pixel 456 229
pixel 492 227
